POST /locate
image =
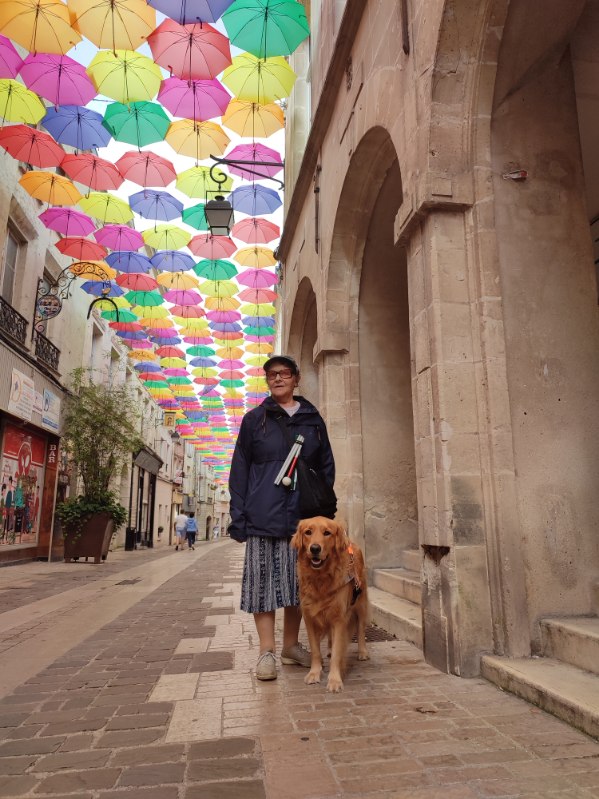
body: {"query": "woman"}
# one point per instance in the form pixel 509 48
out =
pixel 266 515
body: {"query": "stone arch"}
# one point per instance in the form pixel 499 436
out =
pixel 303 332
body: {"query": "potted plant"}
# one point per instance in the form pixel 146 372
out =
pixel 98 434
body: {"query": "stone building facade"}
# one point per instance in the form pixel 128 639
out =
pixel 439 290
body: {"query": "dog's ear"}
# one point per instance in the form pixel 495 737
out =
pixel 297 540
pixel 341 539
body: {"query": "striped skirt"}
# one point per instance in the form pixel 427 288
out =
pixel 269 577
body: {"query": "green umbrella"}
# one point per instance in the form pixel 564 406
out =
pixel 266 27
pixel 123 316
pixel 215 270
pixel 145 298
pixel 259 331
pixel 179 381
pixel 231 384
pixel 195 217
pixel 201 351
pixel 137 123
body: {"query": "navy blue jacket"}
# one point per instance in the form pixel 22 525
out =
pixel 258 506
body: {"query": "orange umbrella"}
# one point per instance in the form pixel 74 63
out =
pixel 38 25
pixel 50 188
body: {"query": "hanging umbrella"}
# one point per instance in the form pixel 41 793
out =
pixel 146 169
pixel 196 217
pixel 255 230
pixel 138 123
pixel 113 24
pixel 81 248
pixel 197 139
pixel 170 352
pixel 50 188
pixel 198 100
pixel 67 221
pixel 201 350
pixel 224 321
pixel 151 313
pixel 77 126
pixel 144 298
pixel 92 171
pixel 194 339
pixel 258 321
pixel 266 27
pixel 260 349
pixel 197 182
pixel 124 75
pixel 215 270
pixel 183 297
pixel 102 288
pixel 154 204
pixel 137 282
pixel 10 60
pixel 18 104
pixel 257 296
pixel 106 207
pixel 255 200
pixel 258 309
pixel 256 257
pixel 190 52
pixel 260 158
pixel 146 366
pixel 57 78
pixel 187 11
pixel 257 278
pixel 221 303
pixel 124 314
pixel 128 261
pixel 154 324
pixel 166 237
pixel 140 353
pixel 172 261
pixel 212 247
pixel 257 80
pixel 31 146
pixel 253 119
pixel 191 314
pixel 38 25
pixel 218 288
pixel 177 280
pixel 119 237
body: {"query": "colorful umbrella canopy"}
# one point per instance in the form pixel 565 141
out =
pixel 57 78
pixel 77 126
pixel 256 257
pixel 138 123
pixel 129 261
pixel 144 298
pixel 191 52
pixel 124 75
pixel 177 280
pixel 92 171
pixel 137 282
pixel 253 119
pixel 255 199
pixel 154 204
pixel 257 278
pixel 119 237
pixel 67 221
pixel 106 207
pixel 113 24
pixel 259 80
pixel 215 270
pixel 186 11
pixel 196 217
pixel 256 297
pixel 31 146
pixel 166 237
pixel 102 288
pixel 198 100
pixel 172 261
pixel 218 288
pixel 255 230
pixel 81 248
pixel 18 104
pixel 146 168
pixel 212 247
pixel 266 27
pixel 260 158
pixel 38 25
pixel 197 182
pixel 50 188
pixel 197 139
pixel 10 60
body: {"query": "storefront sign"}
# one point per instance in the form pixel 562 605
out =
pixel 51 411
pixel 22 469
pixel 22 395
pixel 49 306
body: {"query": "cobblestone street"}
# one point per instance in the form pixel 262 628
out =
pixel 156 699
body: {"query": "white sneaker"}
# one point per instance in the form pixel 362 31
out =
pixel 266 667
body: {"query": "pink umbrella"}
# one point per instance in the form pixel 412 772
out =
pixel 67 221
pixel 223 316
pixel 269 337
pixel 230 364
pixel 135 281
pixel 261 156
pixel 257 295
pixel 255 230
pixel 146 168
pixel 212 247
pixel 197 340
pixel 199 100
pixel 187 311
pixel 119 237
pixel 176 372
pixel 183 297
pixel 10 60
pixel 92 171
pixel 257 278
pixel 191 52
pixel 57 78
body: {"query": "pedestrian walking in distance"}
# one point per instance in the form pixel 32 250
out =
pixel 265 515
pixel 191 530
pixel 180 529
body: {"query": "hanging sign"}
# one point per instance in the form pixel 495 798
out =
pixel 22 395
pixel 49 306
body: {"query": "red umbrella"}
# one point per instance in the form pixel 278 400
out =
pixel 134 281
pixel 133 327
pixel 256 153
pixel 31 146
pixel 146 168
pixel 199 100
pixel 82 249
pixel 92 171
pixel 168 351
pixel 212 247
pixel 192 52
pixel 257 295
pixel 255 230
pixel 187 311
pixel 57 78
pixel 257 278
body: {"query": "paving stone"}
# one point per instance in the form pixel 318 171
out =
pixel 70 781
pixel 93 758
pixel 138 721
pixel 212 661
pixel 227 747
pixel 32 746
pixel 112 740
pixel 153 774
pixel 16 786
pixel 161 792
pixel 16 765
pixel 167 753
pixel 248 789
pixel 223 768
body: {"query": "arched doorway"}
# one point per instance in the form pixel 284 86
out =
pixel 302 338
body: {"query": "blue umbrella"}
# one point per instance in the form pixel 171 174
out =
pixel 203 362
pixel 128 261
pixel 185 11
pixel 134 335
pixel 172 261
pixel 165 340
pixel 147 366
pixel 255 200
pixel 226 327
pixel 98 288
pixel 155 204
pixel 258 321
pixel 77 126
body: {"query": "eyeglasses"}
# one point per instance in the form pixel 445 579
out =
pixel 283 373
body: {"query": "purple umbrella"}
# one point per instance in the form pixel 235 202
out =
pixel 10 60
pixel 184 11
pixel 147 366
pixel 183 297
pixel 58 78
pixel 133 335
pixel 225 321
pixel 154 204
pixel 67 221
pixel 254 152
pixel 77 126
pixel 199 100
pixel 165 340
pixel 172 261
pixel 119 237
pixel 255 199
pixel 130 262
pixel 202 362
pixel 102 288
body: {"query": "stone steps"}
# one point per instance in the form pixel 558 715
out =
pixel 572 640
pixel 399 582
pixel 395 615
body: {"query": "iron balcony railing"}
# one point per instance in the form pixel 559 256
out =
pixel 12 323
pixel 46 352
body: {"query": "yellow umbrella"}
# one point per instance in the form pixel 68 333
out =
pixel 177 280
pixel 93 270
pixel 112 24
pixel 151 312
pixel 50 188
pixel 194 324
pixel 150 323
pixel 260 347
pixel 197 139
pixel 124 75
pixel 106 207
pixel 143 355
pixel 257 360
pixel 221 303
pixel 221 343
pixel 230 352
pixel 258 382
pixel 255 257
pixel 166 237
pixel 197 182
pixel 38 25
pixel 204 371
pixel 252 119
pixel 218 288
pixel 18 104
pixel 258 309
pixel 107 305
pixel 173 363
pixel 259 80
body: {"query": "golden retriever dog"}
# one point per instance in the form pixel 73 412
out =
pixel 333 595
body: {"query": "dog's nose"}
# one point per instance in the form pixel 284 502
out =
pixel 315 549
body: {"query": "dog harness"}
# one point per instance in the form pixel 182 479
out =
pixel 352 576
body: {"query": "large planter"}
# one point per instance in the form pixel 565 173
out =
pixel 92 540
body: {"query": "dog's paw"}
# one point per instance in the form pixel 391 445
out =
pixel 334 685
pixel 363 656
pixel 312 678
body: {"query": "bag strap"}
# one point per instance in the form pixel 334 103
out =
pixel 279 420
